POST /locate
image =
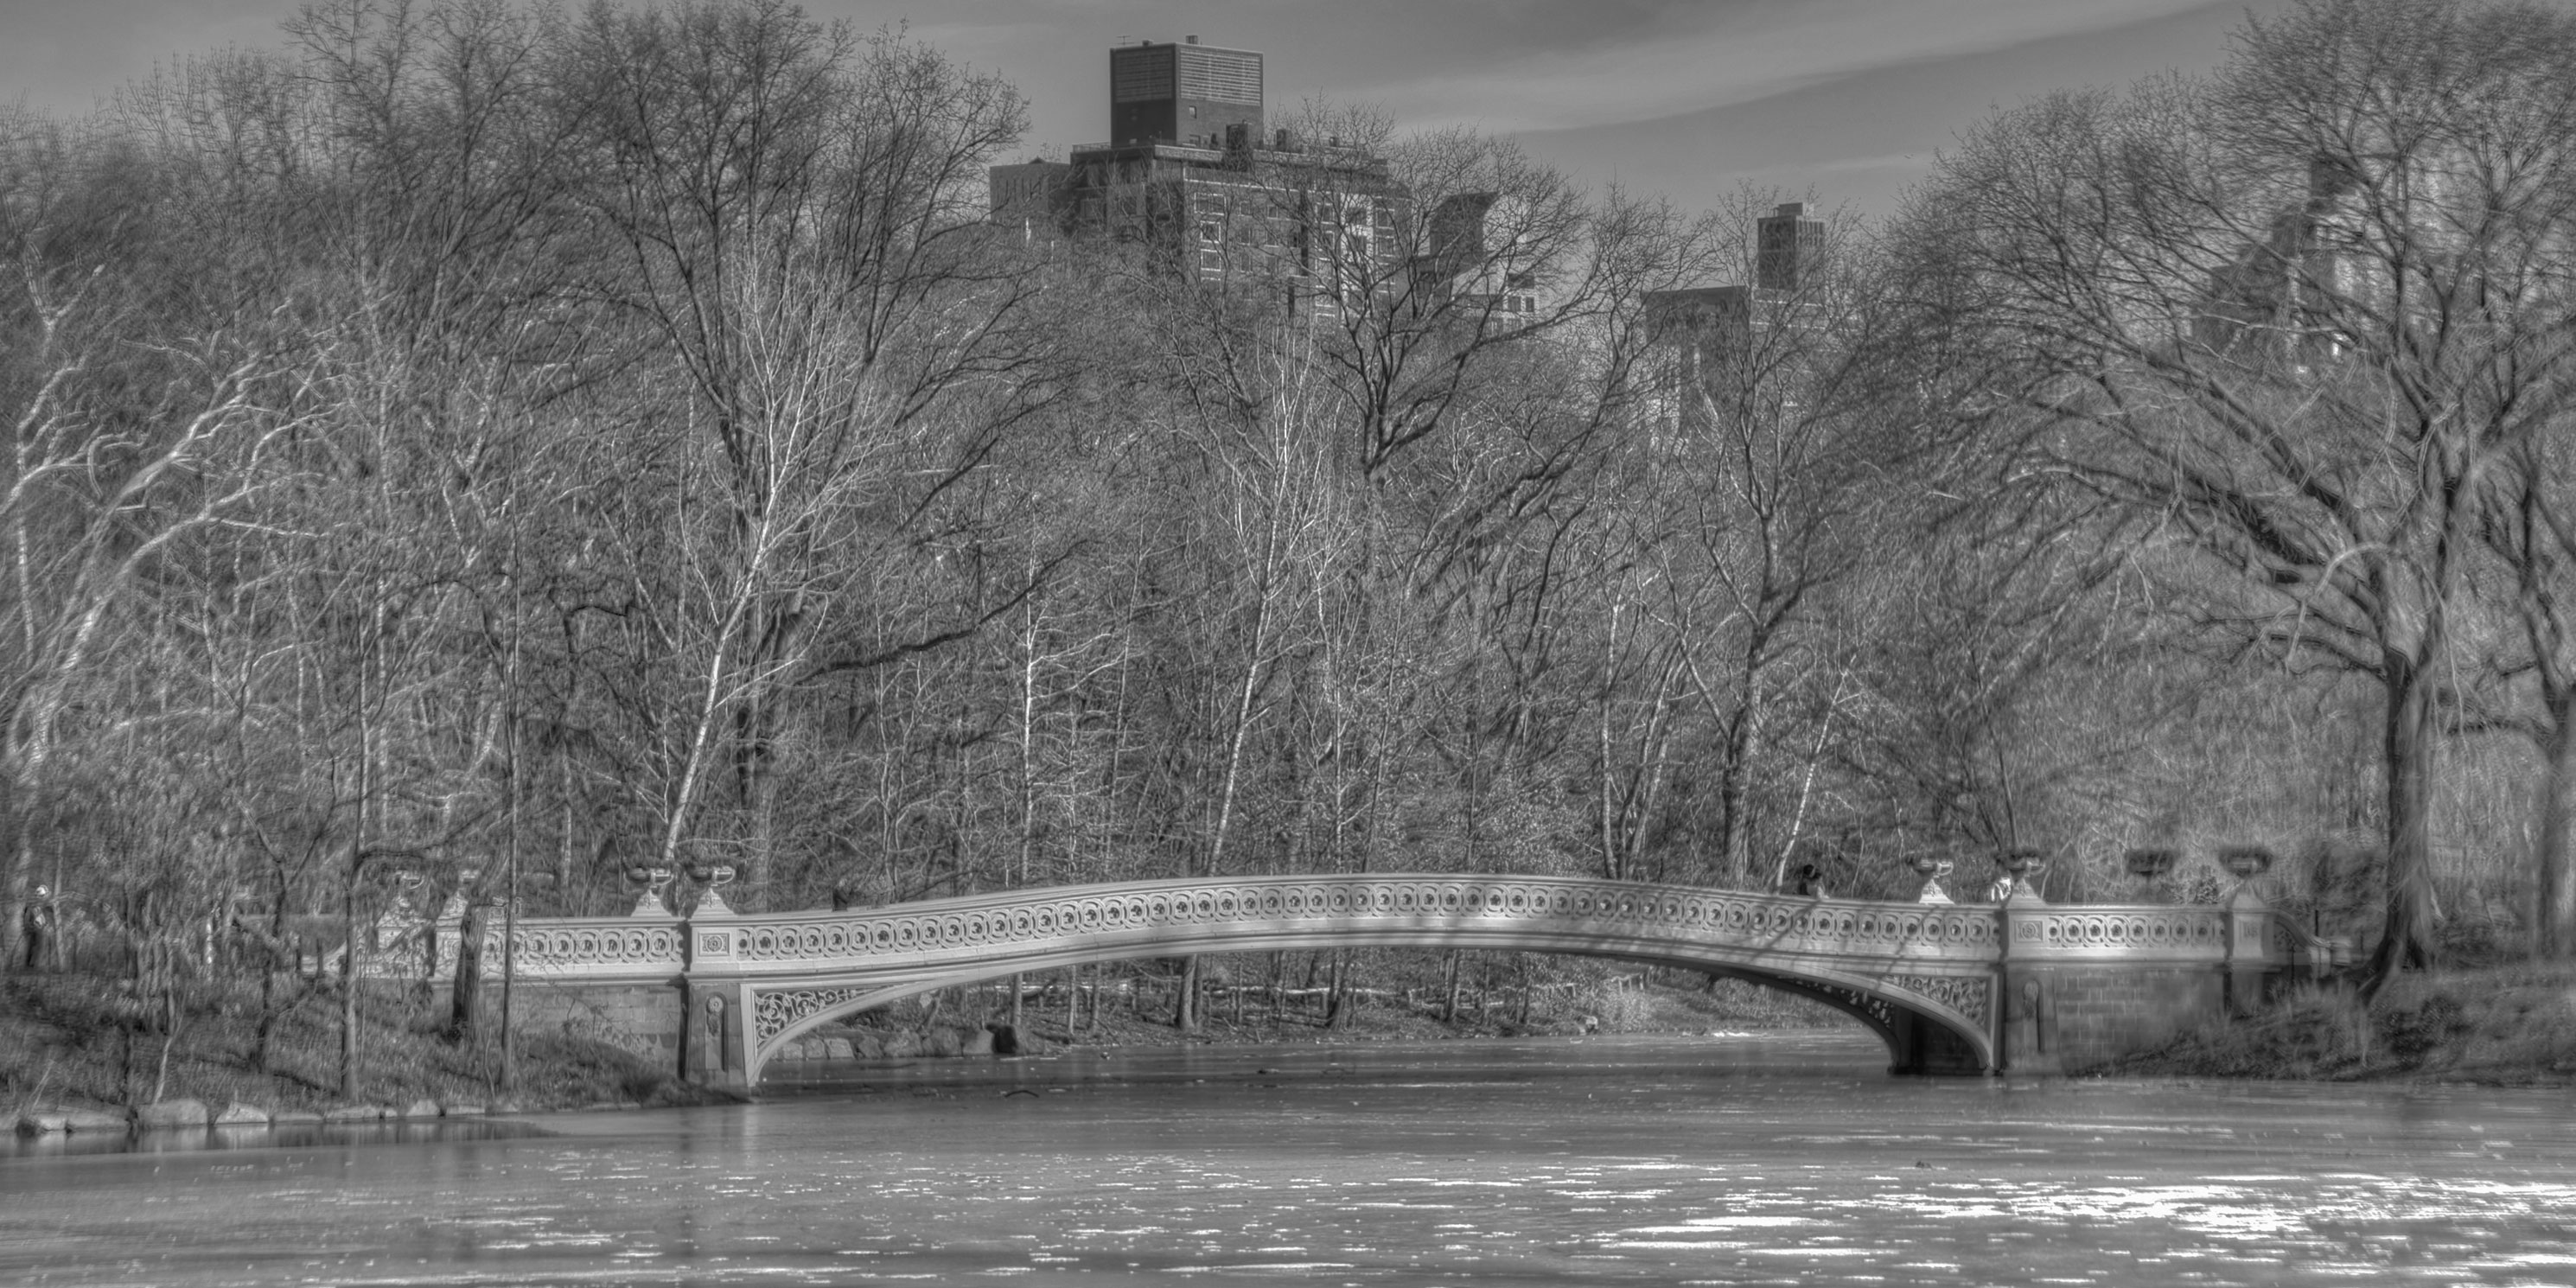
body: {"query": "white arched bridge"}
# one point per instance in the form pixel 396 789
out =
pixel 1952 988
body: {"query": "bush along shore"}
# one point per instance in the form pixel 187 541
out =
pixel 77 1055
pixel 2508 1026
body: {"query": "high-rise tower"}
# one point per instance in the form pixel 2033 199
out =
pixel 1185 93
pixel 1711 345
pixel 1786 242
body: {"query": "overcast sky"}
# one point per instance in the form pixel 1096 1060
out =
pixel 1688 98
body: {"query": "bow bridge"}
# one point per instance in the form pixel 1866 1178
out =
pixel 2020 986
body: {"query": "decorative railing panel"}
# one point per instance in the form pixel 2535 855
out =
pixel 572 948
pixel 986 926
pixel 2162 932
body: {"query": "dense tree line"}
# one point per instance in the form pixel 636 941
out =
pixel 488 443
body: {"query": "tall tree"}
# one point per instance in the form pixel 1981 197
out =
pixel 2282 325
pixel 798 220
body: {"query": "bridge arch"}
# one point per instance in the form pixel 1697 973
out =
pixel 1918 1038
pixel 1921 977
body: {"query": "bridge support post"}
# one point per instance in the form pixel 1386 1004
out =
pixel 2024 1014
pixel 720 1027
pixel 716 1051
pixel 2249 918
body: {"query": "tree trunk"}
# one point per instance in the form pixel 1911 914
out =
pixel 267 1014
pixel 2405 937
pixel 349 977
pixel 1735 839
pixel 2554 914
pixel 1185 1012
pixel 465 996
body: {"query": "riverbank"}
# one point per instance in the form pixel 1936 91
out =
pixel 2504 1026
pixel 77 1042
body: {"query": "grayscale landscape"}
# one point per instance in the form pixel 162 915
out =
pixel 1819 642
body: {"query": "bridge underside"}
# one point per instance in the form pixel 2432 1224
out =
pixel 1922 1037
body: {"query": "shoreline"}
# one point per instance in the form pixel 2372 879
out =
pixel 2502 1027
pixel 73 1060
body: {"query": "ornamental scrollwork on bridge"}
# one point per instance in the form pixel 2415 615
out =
pixel 546 947
pixel 1876 1009
pixel 1966 994
pixel 2186 931
pixel 774 1012
pixel 1969 995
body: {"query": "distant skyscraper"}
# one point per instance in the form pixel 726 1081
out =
pixel 1708 342
pixel 1185 93
pixel 1786 241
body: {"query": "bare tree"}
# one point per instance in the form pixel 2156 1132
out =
pixel 798 223
pixel 2284 325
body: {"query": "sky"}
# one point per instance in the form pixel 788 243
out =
pixel 1844 100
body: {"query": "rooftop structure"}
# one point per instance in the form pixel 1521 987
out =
pixel 1185 93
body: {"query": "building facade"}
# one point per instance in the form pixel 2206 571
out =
pixel 1193 174
pixel 1705 344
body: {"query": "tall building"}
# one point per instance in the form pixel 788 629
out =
pixel 2277 297
pixel 1475 255
pixel 1191 171
pixel 1706 342
pixel 1785 242
pixel 1025 194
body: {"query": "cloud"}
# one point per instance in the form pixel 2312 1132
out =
pixel 1733 53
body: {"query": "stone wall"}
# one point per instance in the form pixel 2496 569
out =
pixel 2071 1018
pixel 642 1018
